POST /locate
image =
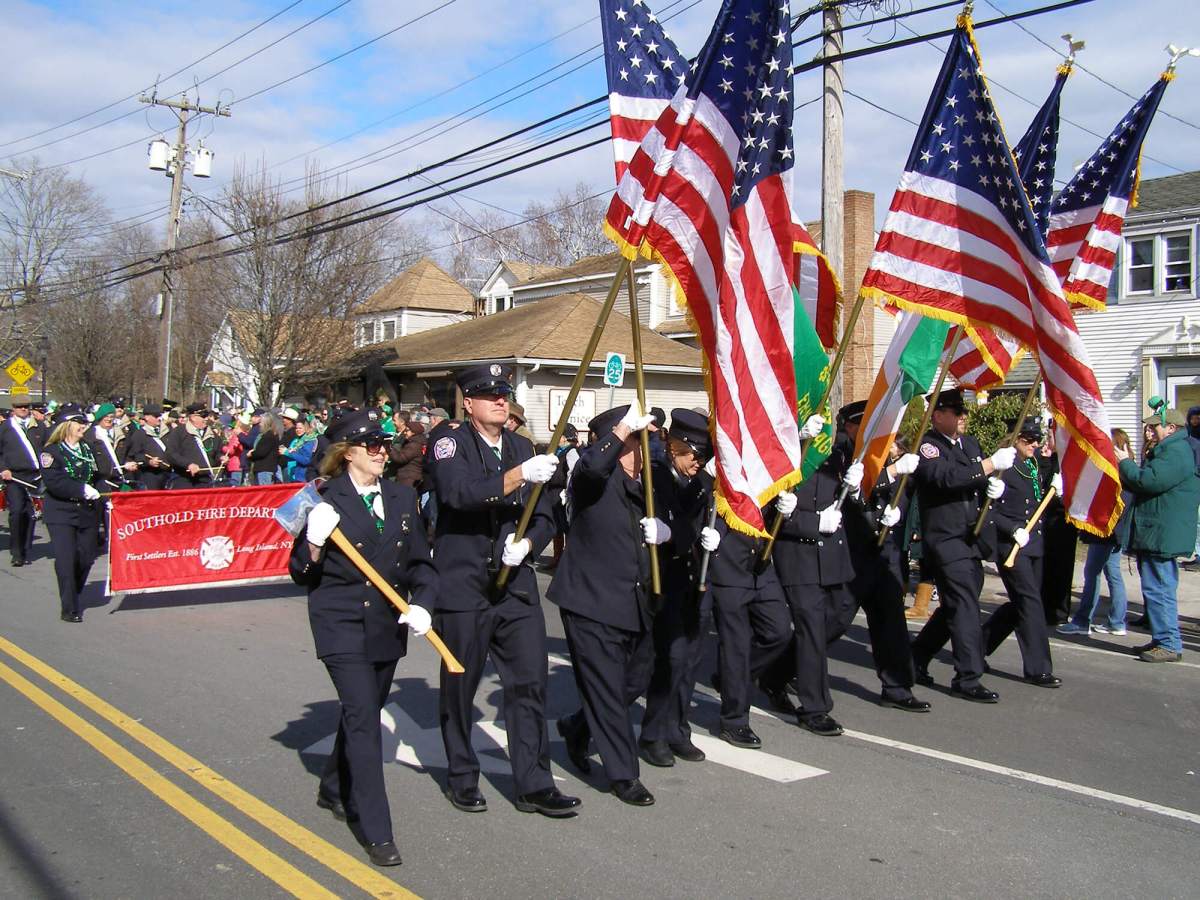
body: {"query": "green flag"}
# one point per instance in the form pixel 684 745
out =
pixel 812 375
pixel 920 357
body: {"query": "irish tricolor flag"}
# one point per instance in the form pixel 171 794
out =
pixel 908 370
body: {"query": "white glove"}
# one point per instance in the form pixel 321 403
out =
pixel 710 539
pixel 907 464
pixel 417 619
pixel 995 489
pixel 1003 458
pixel 1056 483
pixel 786 503
pixel 854 476
pixel 711 467
pixel 90 493
pixel 321 522
pixel 812 427
pixel 539 469
pixel 655 531
pixel 830 520
pixel 891 515
pixel 634 420
pixel 1021 537
pixel 514 554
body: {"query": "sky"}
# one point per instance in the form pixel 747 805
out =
pixel 431 88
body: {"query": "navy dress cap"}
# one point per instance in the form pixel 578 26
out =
pixel 490 378
pixel 950 399
pixel 152 409
pixel 71 412
pixel 607 420
pixel 197 409
pixel 360 427
pixel 853 412
pixel 1031 427
pixel 691 428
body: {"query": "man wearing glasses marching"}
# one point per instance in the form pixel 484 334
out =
pixel 481 477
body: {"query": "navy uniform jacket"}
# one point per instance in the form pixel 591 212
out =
pixel 346 612
pixel 604 574
pixel 681 503
pixel 15 457
pixel 862 520
pixel 951 487
pixel 38 432
pixel 474 517
pixel 109 468
pixel 65 475
pixel 737 560
pixel 138 447
pixel 802 554
pixel 1015 507
pixel 185 448
pixel 313 469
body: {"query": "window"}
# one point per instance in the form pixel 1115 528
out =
pixel 389 330
pixel 1159 264
pixel 1141 266
pixel 366 333
pixel 1177 262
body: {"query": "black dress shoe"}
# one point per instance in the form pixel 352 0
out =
pixel 334 806
pixel 687 751
pixel 577 746
pixel 823 724
pixel 549 802
pixel 908 704
pixel 977 694
pixel 922 676
pixel 384 854
pixel 778 698
pixel 468 799
pixel 657 753
pixel 632 792
pixel 742 737
pixel 71 617
pixel 1046 680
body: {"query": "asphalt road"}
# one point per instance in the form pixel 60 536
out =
pixel 206 789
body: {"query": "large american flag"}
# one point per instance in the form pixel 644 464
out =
pixel 706 195
pixel 984 365
pixel 961 244
pixel 1087 215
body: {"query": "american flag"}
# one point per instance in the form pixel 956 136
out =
pixel 984 365
pixel 706 195
pixel 1086 217
pixel 818 286
pixel 961 244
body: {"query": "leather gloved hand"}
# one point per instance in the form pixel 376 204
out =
pixel 786 503
pixel 710 539
pixel 995 488
pixel 514 553
pixel 321 522
pixel 907 464
pixel 830 520
pixel 417 619
pixel 655 531
pixel 539 469
pixel 1020 537
pixel 1003 458
pixel 812 427
pixel 891 515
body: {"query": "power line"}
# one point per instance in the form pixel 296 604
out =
pixel 157 81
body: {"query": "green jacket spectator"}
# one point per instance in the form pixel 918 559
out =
pixel 1166 493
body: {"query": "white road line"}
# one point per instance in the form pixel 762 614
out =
pixel 1084 790
pixel 1071 645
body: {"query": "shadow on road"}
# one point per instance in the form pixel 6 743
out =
pixel 34 862
pixel 205 596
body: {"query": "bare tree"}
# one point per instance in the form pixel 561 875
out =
pixel 567 228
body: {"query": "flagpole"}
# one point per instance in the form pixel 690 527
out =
pixel 1009 441
pixel 585 362
pixel 834 368
pixel 644 435
pixel 865 439
pixel 947 358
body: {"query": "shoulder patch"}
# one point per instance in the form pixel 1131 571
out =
pixel 445 448
pixel 930 451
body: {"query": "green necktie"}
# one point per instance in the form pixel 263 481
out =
pixel 369 500
pixel 1033 476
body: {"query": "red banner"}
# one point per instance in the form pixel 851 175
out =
pixel 174 540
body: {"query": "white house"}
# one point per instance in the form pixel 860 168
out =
pixel 1147 341
pixel 421 297
pixel 496 295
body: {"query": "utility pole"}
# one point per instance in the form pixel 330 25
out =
pixel 832 182
pixel 177 162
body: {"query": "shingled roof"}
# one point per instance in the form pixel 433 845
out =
pixel 525 271
pixel 604 264
pixel 553 328
pixel 1159 195
pixel 423 285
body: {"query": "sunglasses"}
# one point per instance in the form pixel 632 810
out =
pixel 374 448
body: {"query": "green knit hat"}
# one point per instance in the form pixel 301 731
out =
pixel 105 409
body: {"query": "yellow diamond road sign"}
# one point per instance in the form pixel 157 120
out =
pixel 20 371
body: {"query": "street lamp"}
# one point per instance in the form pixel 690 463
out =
pixel 44 349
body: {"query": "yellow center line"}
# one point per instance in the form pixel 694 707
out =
pixel 221 830
pixel 349 867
